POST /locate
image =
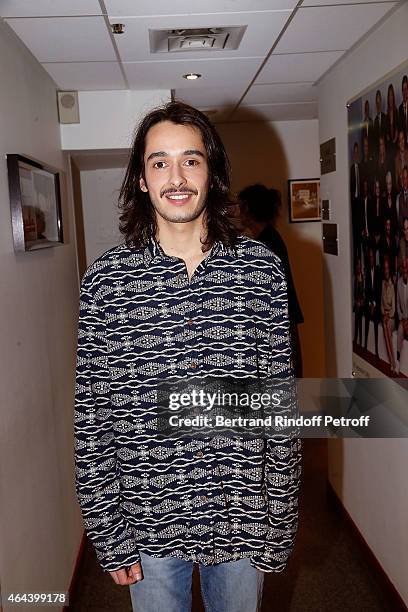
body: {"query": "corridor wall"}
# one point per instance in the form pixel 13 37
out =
pixel 40 525
pixel 369 476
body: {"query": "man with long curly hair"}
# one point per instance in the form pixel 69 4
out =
pixel 183 296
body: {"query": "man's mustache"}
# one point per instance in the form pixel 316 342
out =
pixel 181 190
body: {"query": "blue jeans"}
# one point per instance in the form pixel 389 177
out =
pixel 225 587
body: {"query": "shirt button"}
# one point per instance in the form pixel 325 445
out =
pixel 193 365
pixel 199 454
pixel 189 321
pixel 203 498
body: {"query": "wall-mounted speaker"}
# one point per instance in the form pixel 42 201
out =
pixel 68 106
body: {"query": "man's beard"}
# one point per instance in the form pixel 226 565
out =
pixel 174 215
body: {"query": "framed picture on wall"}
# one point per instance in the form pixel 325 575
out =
pixel 304 200
pixel 378 204
pixel 35 201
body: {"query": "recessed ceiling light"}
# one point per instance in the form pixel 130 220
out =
pixel 192 76
pixel 118 28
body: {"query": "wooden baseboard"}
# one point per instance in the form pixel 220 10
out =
pixel 398 605
pixel 75 572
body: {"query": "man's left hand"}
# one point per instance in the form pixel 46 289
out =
pixel 128 575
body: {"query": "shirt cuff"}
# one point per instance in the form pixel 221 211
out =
pixel 123 555
pixel 270 563
pixel 117 564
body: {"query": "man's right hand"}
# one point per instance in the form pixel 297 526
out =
pixel 128 575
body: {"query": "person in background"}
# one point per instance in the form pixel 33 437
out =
pixel 389 208
pixel 368 129
pixel 380 122
pixel 388 310
pixel 401 158
pixel 382 166
pixel 375 216
pixel 402 201
pixel 372 298
pixel 366 214
pixel 403 244
pixel 355 199
pixel 260 209
pixel 391 133
pixel 388 247
pixel 358 304
pixel 402 308
pixel 367 164
pixel 403 108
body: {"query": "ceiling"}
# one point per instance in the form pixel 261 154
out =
pixel 286 47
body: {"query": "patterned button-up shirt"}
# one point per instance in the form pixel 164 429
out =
pixel 142 321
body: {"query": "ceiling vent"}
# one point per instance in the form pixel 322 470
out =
pixel 196 39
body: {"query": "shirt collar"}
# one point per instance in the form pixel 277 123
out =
pixel 154 251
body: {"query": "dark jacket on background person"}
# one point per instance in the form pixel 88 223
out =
pixel 272 239
pixel 373 289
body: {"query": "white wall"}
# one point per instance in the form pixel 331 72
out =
pixel 107 118
pixel 100 190
pixel 368 475
pixel 40 525
pixel 271 153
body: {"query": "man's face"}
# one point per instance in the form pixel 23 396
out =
pixel 405 92
pixel 176 171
